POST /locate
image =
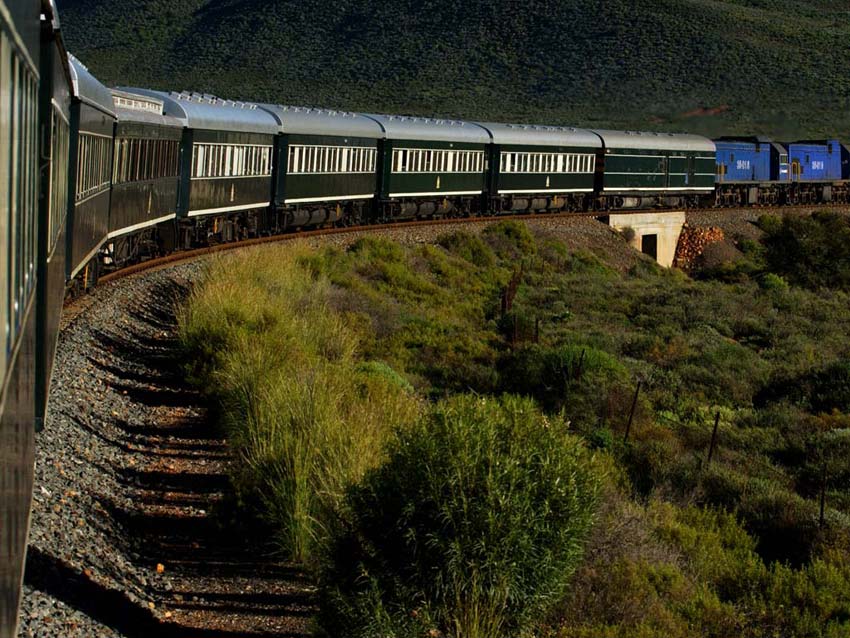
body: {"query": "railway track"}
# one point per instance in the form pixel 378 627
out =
pixel 188 255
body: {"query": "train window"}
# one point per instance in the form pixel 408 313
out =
pixel 58 177
pixel 5 190
pixel 153 165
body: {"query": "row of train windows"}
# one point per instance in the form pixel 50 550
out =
pixel 138 160
pixel 210 161
pixel 547 163
pixel 437 161
pixel 18 192
pixel 59 144
pixel 330 159
pixel 94 165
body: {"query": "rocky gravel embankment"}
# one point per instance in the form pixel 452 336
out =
pixel 127 535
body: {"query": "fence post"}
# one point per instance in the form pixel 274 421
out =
pixel 580 367
pixel 632 412
pixel 713 438
pixel 823 494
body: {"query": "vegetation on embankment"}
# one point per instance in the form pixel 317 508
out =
pixel 638 365
pixel 715 67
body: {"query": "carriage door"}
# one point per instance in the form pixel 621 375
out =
pixel 796 169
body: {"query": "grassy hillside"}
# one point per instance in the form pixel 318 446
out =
pixel 710 66
pixel 363 392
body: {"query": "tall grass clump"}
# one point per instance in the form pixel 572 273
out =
pixel 303 414
pixel 472 527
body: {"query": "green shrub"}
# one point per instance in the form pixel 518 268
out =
pixel 811 251
pixel 469 247
pixel 473 526
pixel 303 416
pixel 772 281
pixel 554 375
pixel 510 240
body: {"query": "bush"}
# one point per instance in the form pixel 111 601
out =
pixel 772 281
pixel 469 247
pixel 812 251
pixel 821 390
pixel 574 374
pixel 473 526
pixel 510 240
pixel 303 416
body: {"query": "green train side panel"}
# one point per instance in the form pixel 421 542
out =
pixel 517 183
pixel 401 185
pixel 646 170
pixel 298 187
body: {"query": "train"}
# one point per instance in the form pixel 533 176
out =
pixel 94 179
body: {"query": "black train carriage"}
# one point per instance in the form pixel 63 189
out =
pixel 225 166
pixel 21 225
pixel 92 123
pixel 641 169
pixel 145 179
pixel 541 168
pixel 430 167
pixel 327 172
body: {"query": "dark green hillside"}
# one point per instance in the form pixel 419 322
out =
pixel 710 66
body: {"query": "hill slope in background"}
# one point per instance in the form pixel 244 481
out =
pixel 777 67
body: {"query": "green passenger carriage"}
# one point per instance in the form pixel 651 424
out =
pixel 92 121
pixel 646 169
pixel 145 179
pixel 327 169
pixel 430 167
pixel 226 162
pixel 540 168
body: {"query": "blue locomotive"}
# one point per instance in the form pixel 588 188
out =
pixel 758 171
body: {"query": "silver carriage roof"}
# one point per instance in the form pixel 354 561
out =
pixel 134 107
pixel 540 135
pixel 215 114
pixel 403 127
pixel 88 89
pixel 310 121
pixel 655 141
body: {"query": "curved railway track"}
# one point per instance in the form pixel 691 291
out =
pixel 187 255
